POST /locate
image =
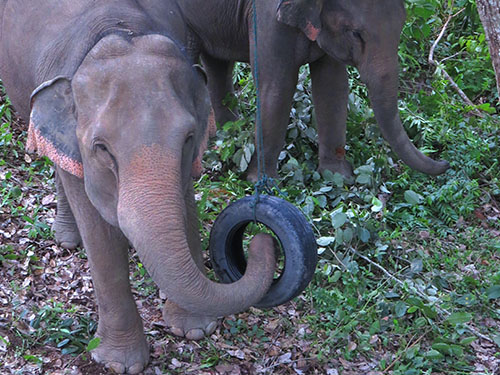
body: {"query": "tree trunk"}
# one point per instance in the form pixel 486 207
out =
pixel 489 12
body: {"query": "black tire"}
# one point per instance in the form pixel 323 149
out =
pixel 289 226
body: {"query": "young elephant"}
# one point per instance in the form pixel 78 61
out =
pixel 327 35
pixel 113 100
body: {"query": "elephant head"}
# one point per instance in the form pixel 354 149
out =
pixel 131 123
pixel 364 34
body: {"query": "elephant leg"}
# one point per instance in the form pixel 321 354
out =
pixel 220 87
pixel 277 81
pixel 123 346
pixel 330 90
pixel 181 322
pixel 66 231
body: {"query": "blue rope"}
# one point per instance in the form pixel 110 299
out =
pixel 262 184
pixel 265 184
pixel 261 164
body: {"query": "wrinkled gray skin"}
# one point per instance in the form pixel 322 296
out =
pixel 327 35
pixel 140 111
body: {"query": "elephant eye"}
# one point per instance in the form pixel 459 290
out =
pixel 189 140
pixel 104 156
pixel 101 147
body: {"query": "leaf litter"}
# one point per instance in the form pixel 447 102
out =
pixel 38 278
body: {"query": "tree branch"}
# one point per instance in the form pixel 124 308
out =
pixel 433 62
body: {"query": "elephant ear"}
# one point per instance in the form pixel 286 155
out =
pixel 207 115
pixel 210 127
pixel 303 14
pixel 210 130
pixel 201 71
pixel 52 129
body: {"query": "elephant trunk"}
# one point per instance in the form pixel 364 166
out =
pixel 384 97
pixel 152 214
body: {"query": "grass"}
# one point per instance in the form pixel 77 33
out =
pixel 407 282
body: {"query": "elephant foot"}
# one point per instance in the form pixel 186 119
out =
pixel 122 354
pixel 186 324
pixel 66 233
pixel 340 166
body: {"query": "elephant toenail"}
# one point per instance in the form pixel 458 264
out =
pixel 135 369
pixel 211 328
pixel 195 334
pixel 177 331
pixel 69 245
pixel 117 368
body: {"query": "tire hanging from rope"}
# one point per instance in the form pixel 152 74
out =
pixel 289 225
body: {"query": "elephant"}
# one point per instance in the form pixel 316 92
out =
pixel 327 35
pixel 113 98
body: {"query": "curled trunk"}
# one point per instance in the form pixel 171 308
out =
pixel 152 215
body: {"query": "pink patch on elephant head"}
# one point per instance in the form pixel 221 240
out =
pixel 212 126
pixel 37 142
pixel 197 168
pixel 311 31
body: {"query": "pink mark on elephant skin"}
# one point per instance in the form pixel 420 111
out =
pixel 36 142
pixel 212 126
pixel 197 168
pixel 340 152
pixel 311 31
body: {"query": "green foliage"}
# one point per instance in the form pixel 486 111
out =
pixel 56 325
pixel 427 232
pixel 463 51
pixel 93 344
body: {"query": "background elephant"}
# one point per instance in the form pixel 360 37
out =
pixel 115 102
pixel 326 34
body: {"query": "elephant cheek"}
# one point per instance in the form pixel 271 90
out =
pixel 334 47
pixel 102 193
